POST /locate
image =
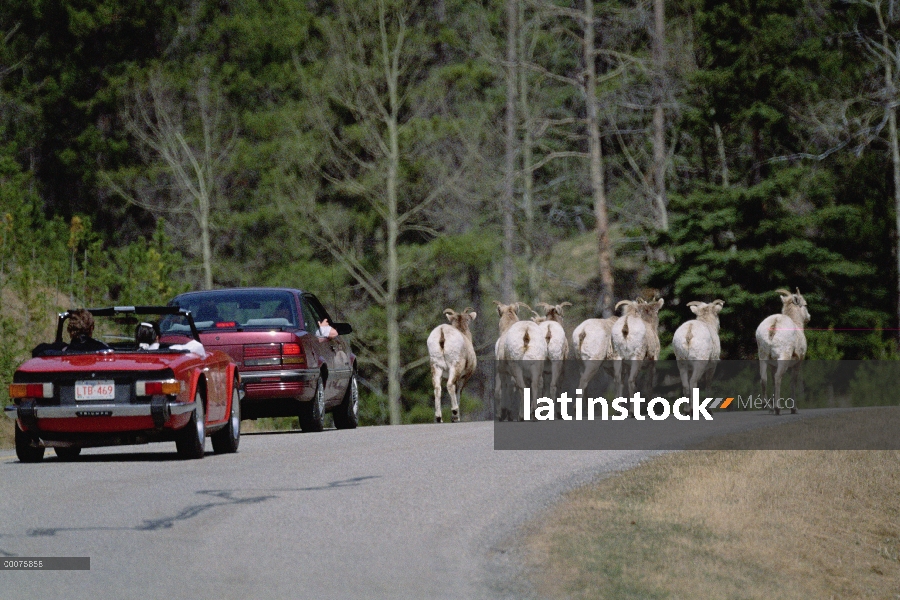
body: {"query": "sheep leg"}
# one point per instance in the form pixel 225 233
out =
pixel 436 374
pixel 556 367
pixel 589 369
pixel 796 385
pixel 764 376
pixel 651 378
pixel 779 373
pixel 698 368
pixel 633 369
pixel 499 401
pixel 710 374
pixel 617 374
pixel 452 378
pixel 684 368
pixel 519 378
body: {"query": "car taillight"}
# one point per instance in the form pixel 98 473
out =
pixel 31 390
pixel 292 354
pixel 168 387
pixel 262 355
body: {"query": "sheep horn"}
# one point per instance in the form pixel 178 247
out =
pixel 621 302
pixel 565 304
pixel 520 304
pixel 719 302
pixel 468 309
pixel 543 305
pixel 449 311
pixel 694 303
pixel 784 292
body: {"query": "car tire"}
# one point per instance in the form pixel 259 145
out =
pixel 191 439
pixel 226 440
pixel 67 453
pixel 312 412
pixel 346 415
pixel 24 449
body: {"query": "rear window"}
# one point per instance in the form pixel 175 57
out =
pixel 240 309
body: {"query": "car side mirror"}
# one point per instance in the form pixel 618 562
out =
pixel 342 328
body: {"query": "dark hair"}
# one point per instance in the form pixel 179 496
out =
pixel 145 333
pixel 81 323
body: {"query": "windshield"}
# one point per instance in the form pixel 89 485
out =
pixel 240 309
pixel 121 328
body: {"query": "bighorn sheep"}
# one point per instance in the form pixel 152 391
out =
pixel 551 325
pixel 452 356
pixel 635 339
pixel 696 344
pixel 782 345
pixel 520 347
pixel 592 340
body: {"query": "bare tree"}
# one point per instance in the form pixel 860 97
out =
pixel 886 51
pixel 659 120
pixel 598 184
pixel 509 171
pixel 374 80
pixel 185 139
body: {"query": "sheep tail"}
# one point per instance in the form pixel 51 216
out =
pixel 441 341
pixel 549 335
pixel 625 328
pixel 525 339
pixel 690 335
pixel 581 340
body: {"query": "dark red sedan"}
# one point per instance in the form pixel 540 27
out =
pixel 114 390
pixel 291 363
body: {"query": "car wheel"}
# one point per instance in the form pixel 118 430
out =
pixel 312 413
pixel 67 453
pixel 191 439
pixel 27 452
pixel 226 440
pixel 346 415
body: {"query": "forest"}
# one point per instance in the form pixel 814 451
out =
pixel 397 158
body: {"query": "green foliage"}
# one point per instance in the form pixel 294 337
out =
pixel 741 244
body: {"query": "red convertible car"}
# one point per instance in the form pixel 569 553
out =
pixel 114 390
pixel 290 366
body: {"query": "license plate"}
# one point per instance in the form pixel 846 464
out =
pixel 95 390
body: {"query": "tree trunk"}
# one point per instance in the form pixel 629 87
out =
pixel 659 123
pixel 527 174
pixel 206 250
pixel 892 140
pixel 393 263
pixel 893 144
pixel 506 286
pixel 604 304
pixel 723 159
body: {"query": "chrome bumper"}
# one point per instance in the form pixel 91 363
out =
pixel 28 411
pixel 285 376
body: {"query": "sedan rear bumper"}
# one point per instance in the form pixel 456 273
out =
pixel 158 408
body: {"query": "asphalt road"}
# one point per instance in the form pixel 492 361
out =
pixel 419 511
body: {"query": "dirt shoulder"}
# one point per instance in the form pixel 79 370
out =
pixel 728 524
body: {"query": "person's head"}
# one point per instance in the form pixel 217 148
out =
pixel 207 311
pixel 80 324
pixel 283 310
pixel 145 333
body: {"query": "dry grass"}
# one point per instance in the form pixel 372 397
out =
pixel 7 435
pixel 728 524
